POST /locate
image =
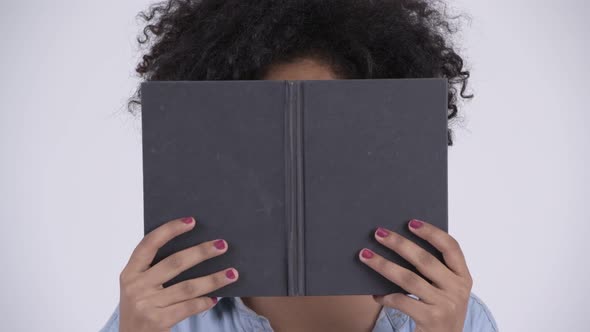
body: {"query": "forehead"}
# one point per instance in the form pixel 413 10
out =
pixel 300 69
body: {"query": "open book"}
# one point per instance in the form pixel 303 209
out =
pixel 295 176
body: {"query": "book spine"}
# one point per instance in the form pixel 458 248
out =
pixel 294 190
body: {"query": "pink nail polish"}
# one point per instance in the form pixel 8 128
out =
pixel 219 244
pixel 415 223
pixel 187 220
pixel 366 253
pixel 214 299
pixel 230 274
pixel 381 232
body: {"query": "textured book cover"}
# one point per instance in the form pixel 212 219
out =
pixel 295 176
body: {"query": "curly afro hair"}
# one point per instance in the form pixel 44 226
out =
pixel 240 39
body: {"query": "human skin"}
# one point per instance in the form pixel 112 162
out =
pixel 146 306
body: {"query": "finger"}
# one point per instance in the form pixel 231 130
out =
pixel 146 250
pixel 444 243
pixel 400 276
pixel 404 303
pixel 425 262
pixel 193 288
pixel 180 311
pixel 174 264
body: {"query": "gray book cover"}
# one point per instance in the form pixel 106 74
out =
pixel 295 175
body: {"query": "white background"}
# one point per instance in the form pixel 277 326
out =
pixel 70 171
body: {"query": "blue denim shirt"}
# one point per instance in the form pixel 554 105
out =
pixel 231 314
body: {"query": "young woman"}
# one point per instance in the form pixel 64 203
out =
pixel 299 40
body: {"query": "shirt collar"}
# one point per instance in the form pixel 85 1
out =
pixel 389 319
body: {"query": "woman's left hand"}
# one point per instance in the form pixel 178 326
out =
pixel 442 305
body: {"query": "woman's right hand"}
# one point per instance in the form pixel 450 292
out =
pixel 145 305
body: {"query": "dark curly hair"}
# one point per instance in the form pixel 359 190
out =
pixel 240 39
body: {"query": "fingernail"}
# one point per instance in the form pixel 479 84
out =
pixel 415 223
pixel 187 220
pixel 381 232
pixel 366 253
pixel 214 299
pixel 219 244
pixel 230 274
